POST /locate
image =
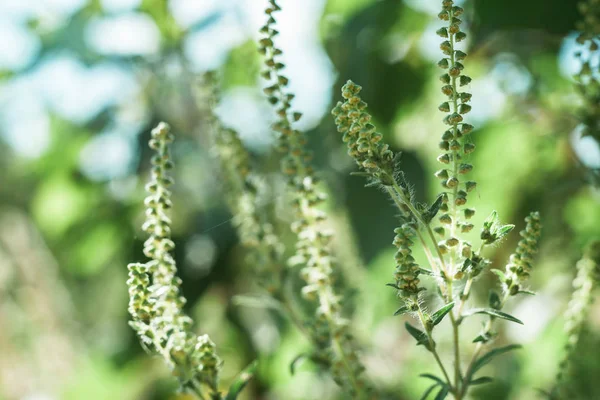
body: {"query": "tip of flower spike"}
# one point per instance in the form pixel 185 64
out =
pixel 161 129
pixel 350 89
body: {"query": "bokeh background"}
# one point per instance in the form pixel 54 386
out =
pixel 83 81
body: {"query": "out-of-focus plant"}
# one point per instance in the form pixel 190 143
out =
pixel 156 302
pixel 587 78
pixel 442 229
pixel 319 270
pixel 453 263
pixel 586 280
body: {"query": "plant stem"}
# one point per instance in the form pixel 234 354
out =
pixel 432 347
pixel 481 345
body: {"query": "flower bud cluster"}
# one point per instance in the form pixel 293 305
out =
pixel 587 77
pixel 520 263
pixel 407 270
pixel 454 143
pixel 243 190
pixel 576 315
pixel 313 247
pixel 156 305
pixel 365 144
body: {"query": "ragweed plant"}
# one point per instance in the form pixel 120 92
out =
pixel 587 78
pixel 155 300
pixel 454 262
pixel 244 190
pixel 313 250
pixel 586 280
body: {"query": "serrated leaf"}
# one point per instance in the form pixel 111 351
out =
pixel 402 310
pixel 419 335
pixel 428 391
pixel 487 357
pixel 439 315
pixel 442 393
pixel 493 313
pixel 504 230
pixel 241 381
pixel 481 381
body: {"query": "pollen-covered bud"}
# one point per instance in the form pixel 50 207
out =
pixel 442 32
pixel 464 168
pixel 445 219
pixel 464 108
pixel 448 90
pixel 452 182
pixel 460 36
pixel 464 80
pixel 442 174
pixel 444 158
pixel 446 47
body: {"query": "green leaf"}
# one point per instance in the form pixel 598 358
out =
pixel 481 381
pixel 500 274
pixel 426 271
pixel 439 315
pixel 494 300
pixel 392 285
pixel 241 381
pixel 442 393
pixel 440 381
pixel 428 391
pixel 504 230
pixel 493 313
pixel 529 292
pixel 487 357
pixel 402 310
pixel 483 337
pixel 419 335
pixel 491 220
pixel 256 301
pixel 432 211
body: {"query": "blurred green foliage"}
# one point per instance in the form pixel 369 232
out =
pixel 66 235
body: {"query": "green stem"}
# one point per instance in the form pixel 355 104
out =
pixel 481 345
pixel 432 347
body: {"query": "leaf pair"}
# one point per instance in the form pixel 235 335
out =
pixel 493 231
pixel 444 388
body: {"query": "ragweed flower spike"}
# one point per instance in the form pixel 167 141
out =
pixel 521 262
pixel 156 304
pixel 313 250
pixel 587 77
pixel 376 160
pixel 587 279
pixel 454 143
pixel 242 190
